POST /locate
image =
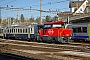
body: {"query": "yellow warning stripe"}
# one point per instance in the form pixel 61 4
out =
pixel 61 32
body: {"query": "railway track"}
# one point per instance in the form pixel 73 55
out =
pixel 76 51
pixel 73 46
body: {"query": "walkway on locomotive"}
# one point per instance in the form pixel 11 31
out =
pixel 20 31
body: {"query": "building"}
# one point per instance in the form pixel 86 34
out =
pixel 79 10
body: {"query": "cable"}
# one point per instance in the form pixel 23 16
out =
pixel 46 3
pixel 49 3
pixel 55 2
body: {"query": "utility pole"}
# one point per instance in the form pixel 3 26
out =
pixel 0 17
pixel 68 20
pixel 0 12
pixel 17 17
pixel 40 11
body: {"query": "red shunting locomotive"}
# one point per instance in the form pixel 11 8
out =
pixel 55 32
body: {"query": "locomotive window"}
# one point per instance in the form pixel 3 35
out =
pixel 47 26
pixel 69 26
pixel 84 29
pixel 57 26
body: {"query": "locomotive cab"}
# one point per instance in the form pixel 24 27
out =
pixel 55 32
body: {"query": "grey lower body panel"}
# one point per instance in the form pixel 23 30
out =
pixel 55 39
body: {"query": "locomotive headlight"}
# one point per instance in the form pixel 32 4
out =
pixel 62 37
pixel 70 37
pixel 67 34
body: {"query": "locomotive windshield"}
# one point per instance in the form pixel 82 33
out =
pixel 54 26
pixel 47 26
pixel 57 25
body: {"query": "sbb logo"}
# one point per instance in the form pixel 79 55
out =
pixel 50 31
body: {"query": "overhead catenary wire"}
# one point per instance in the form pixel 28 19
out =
pixel 32 10
pixel 48 3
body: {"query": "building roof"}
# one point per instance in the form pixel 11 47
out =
pixel 75 4
pixel 63 14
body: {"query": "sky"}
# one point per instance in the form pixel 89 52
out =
pixel 62 6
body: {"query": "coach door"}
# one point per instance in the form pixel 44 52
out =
pixel 28 32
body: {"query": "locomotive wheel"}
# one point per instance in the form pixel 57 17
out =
pixel 41 40
pixel 53 41
pixel 29 40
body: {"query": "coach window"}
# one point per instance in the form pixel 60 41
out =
pixel 31 30
pixel 74 30
pixel 10 30
pixel 26 30
pixel 79 30
pixel 84 29
pixel 0 31
pixel 14 30
pixel 23 30
pixel 18 30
